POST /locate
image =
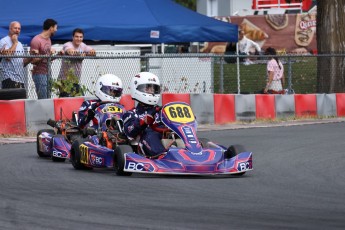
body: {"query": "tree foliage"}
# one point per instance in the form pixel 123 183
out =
pixel 191 4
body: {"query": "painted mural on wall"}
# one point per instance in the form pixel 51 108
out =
pixel 288 33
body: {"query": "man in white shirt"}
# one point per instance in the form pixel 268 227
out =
pixel 12 66
pixel 245 45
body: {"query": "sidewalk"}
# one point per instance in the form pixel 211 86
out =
pixel 210 127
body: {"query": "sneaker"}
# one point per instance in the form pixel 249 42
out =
pixel 246 63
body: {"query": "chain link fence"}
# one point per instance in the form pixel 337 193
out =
pixel 187 73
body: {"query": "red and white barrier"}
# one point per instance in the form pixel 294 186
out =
pixel 29 116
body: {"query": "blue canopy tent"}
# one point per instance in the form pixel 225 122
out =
pixel 133 21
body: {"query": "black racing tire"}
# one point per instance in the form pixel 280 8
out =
pixel 119 159
pixel 75 154
pixel 233 151
pixel 11 94
pixel 40 153
pixel 58 159
pixel 204 142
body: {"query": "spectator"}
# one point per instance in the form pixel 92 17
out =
pixel 42 44
pixel 275 73
pixel 230 50
pixel 245 45
pixel 76 47
pixel 140 121
pixel 12 67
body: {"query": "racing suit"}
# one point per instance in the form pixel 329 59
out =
pixel 86 113
pixel 136 126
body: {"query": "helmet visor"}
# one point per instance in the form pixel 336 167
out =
pixel 112 91
pixel 149 88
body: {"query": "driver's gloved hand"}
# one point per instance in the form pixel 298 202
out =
pixel 147 119
pixel 95 105
pixel 90 114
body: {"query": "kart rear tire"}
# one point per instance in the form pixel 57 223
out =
pixel 119 159
pixel 75 155
pixel 40 153
pixel 203 142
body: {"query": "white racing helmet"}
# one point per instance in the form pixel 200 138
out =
pixel 145 88
pixel 108 88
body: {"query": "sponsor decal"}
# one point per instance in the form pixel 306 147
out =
pixel 96 160
pixel 154 34
pixel 135 166
pixel 243 166
pixel 130 128
pixel 58 154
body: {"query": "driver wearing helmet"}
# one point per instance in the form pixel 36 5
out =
pixel 139 122
pixel 108 88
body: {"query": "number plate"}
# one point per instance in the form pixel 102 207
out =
pixel 179 113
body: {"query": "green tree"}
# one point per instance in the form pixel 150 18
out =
pixel 330 39
pixel 191 4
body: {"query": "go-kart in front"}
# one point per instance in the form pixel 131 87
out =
pixel 186 154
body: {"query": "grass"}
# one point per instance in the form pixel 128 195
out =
pixel 253 77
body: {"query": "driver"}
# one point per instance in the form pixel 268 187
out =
pixel 139 122
pixel 108 88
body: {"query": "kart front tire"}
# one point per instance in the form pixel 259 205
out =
pixel 233 151
pixel 119 159
pixel 40 153
pixel 75 155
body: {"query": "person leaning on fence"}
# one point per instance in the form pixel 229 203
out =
pixel 275 73
pixel 76 47
pixel 245 45
pixel 13 68
pixel 42 44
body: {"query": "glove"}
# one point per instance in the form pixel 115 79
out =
pixel 90 114
pixel 148 120
pixel 95 105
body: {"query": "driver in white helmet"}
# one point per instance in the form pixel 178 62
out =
pixel 139 122
pixel 108 88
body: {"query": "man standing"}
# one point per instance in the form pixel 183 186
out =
pixel 245 45
pixel 13 67
pixel 76 47
pixel 42 44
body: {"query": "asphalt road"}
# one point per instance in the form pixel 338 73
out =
pixel 298 182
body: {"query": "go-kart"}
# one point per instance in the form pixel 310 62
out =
pixel 96 150
pixel 56 143
pixel 186 154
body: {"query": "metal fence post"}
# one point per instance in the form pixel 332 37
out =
pixel 290 90
pixel 212 73
pixel 50 79
pixel 221 80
